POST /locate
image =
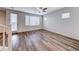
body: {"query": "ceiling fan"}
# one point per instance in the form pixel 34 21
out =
pixel 42 9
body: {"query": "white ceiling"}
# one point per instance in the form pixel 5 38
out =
pixel 34 10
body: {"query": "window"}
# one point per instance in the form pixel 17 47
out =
pixel 27 20
pixel 45 18
pixel 65 15
pixel 32 20
pixel 13 21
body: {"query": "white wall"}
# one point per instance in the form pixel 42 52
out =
pixel 68 27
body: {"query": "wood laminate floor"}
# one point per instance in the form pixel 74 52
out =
pixel 42 40
pixel 1 39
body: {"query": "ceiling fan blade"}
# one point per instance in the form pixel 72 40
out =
pixel 45 9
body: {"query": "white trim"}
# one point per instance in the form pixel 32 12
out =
pixel 3 48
